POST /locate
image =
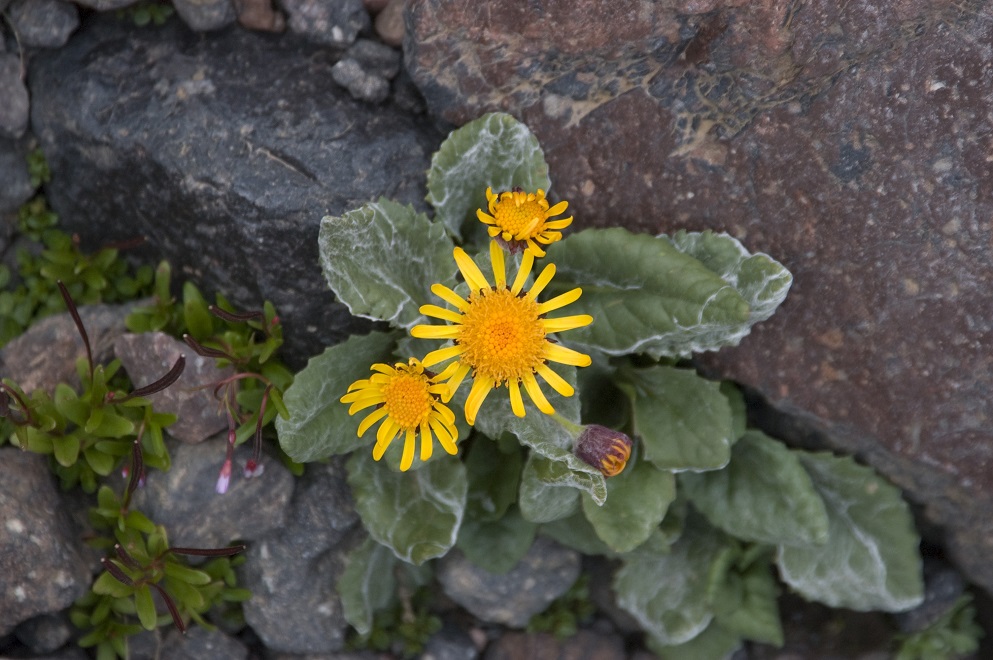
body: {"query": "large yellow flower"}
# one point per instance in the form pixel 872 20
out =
pixel 521 219
pixel 500 334
pixel 408 400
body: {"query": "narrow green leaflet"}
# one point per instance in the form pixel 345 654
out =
pixel 637 500
pixel 548 490
pixel 367 584
pixel 871 560
pixel 495 150
pixel 319 425
pixel 764 495
pixel 496 545
pixel 381 260
pixel 645 295
pixel 416 514
pixel 761 280
pixel 667 593
pixel 683 420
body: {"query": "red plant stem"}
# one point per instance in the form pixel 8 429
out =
pixel 115 571
pixel 210 552
pixel 161 383
pixel 178 620
pixel 235 317
pixel 79 323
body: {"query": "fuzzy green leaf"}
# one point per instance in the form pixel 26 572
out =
pixel 496 546
pixel 381 260
pixel 495 150
pixel 319 425
pixel 713 643
pixel 145 607
pixel 645 296
pixel 745 602
pixel 417 513
pixel 762 281
pixel 683 420
pixel 871 560
pixel 367 584
pixel 546 492
pixel 637 500
pixel 493 479
pixel 764 495
pixel 577 533
pixel 667 593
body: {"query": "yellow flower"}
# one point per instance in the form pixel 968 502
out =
pixel 408 400
pixel 500 334
pixel 521 219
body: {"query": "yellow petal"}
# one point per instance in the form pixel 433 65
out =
pixel 480 388
pixel 435 332
pixel 440 355
pixel 558 208
pixel 535 249
pixel 564 323
pixel 441 313
pixel 427 446
pixel 387 431
pixel 559 353
pixel 362 404
pixel 449 296
pixel 560 301
pixel 408 450
pixel 542 281
pixel 561 223
pixel 445 436
pixel 455 381
pixel 470 271
pixel 516 402
pixel 496 258
pixel 485 217
pixel 373 417
pixel 522 274
pixel 531 385
pixel 558 383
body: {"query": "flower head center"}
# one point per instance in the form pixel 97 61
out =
pixel 502 335
pixel 408 401
pixel 520 214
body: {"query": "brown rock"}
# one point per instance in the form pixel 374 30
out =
pixel 389 23
pixel 850 141
pixel 259 15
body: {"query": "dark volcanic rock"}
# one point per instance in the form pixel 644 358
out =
pixel 44 23
pixel 226 152
pixel 203 15
pixel 14 110
pixel 16 188
pixel 848 140
pixel 329 22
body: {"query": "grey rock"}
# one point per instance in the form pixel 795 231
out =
pixel 44 23
pixel 149 356
pixel 197 644
pixel 292 573
pixel 943 586
pixel 15 108
pixel 361 85
pixel 42 569
pixel 185 501
pixel 375 58
pixel 584 645
pixel 17 187
pixel 232 193
pixel 45 633
pixel 206 15
pixel 329 22
pixel 46 354
pixel 545 573
pixel 106 5
pixel 450 643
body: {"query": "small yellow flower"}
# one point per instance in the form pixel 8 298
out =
pixel 408 400
pixel 500 334
pixel 521 219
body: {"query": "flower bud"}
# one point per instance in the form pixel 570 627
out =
pixel 605 449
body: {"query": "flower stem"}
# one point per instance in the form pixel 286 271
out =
pixel 573 429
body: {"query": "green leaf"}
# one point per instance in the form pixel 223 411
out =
pixel 107 584
pixel 637 500
pixel 319 425
pixel 547 492
pixel 496 546
pixel 417 513
pixel 186 574
pixel 493 479
pixel 683 420
pixel 761 280
pixel 367 584
pixel 112 425
pixel 381 260
pixel 495 150
pixel 101 463
pixel 871 560
pixel 645 296
pixel 577 533
pixel 714 643
pixel 745 603
pixel 739 410
pixel 199 322
pixel 66 449
pixel 145 607
pixel 667 593
pixel 764 495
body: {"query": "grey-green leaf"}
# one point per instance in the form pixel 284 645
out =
pixel 319 425
pixel 746 603
pixel 714 643
pixel 871 560
pixel 493 476
pixel 496 545
pixel 761 280
pixel 763 495
pixel 546 493
pixel 683 420
pixel 416 514
pixel 382 258
pixel 367 584
pixel 494 151
pixel 667 593
pixel 645 296
pixel 637 500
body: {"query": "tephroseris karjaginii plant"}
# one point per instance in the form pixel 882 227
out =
pixel 698 509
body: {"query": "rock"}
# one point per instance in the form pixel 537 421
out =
pixel 374 6
pixel 149 356
pixel 389 24
pixel 328 22
pixel 943 586
pixel 198 643
pixel 846 142
pixel 44 23
pixel 293 571
pixel 45 633
pixel 375 58
pixel 206 15
pixel 184 500
pixel 259 15
pixel 450 643
pixel 105 5
pixel 545 573
pixel 41 567
pixel 46 354
pixel 14 111
pixel 584 645
pixel 362 86
pixel 17 187
pixel 232 193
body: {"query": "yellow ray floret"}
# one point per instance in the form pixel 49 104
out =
pixel 408 401
pixel 523 220
pixel 500 335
